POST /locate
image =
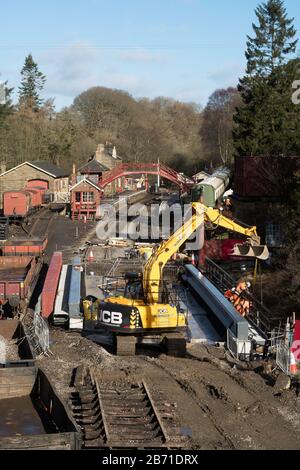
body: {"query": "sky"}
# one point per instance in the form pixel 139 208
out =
pixel 183 49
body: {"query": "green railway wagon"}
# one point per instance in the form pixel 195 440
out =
pixel 212 188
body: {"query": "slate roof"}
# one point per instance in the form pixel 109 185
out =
pixel 50 168
pixel 93 166
pixel 43 166
pixel 85 180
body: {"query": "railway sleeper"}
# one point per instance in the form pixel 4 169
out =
pixel 139 434
pixel 92 421
pixel 124 421
pixel 84 391
pixel 124 398
pixel 91 435
pixel 128 412
pixel 86 413
pixel 94 444
pixel 87 395
pixel 121 405
pixel 77 402
pixel 88 419
pixel 97 427
pixel 86 408
pixel 126 390
pixel 134 436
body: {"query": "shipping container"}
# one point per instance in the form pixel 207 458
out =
pixel 51 284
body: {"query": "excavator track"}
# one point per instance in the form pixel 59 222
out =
pixel 125 415
pixel 124 345
pixel 175 344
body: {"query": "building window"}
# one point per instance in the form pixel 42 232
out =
pixel 77 196
pixel 274 237
pixel 88 196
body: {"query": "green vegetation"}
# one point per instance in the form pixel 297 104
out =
pixel 32 83
pixel 179 134
pixel 267 121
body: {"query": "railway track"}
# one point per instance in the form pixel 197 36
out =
pixel 127 415
pixel 41 223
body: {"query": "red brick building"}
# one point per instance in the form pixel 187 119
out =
pixel 85 193
pixel 85 197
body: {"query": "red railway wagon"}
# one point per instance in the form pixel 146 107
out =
pixel 37 187
pixel 51 284
pixel 18 276
pixel 16 203
pixel 24 247
pixel 36 197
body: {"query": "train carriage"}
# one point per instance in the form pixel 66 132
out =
pixel 212 188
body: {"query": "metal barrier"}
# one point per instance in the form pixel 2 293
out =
pixel 283 356
pixel 259 315
pixel 41 328
pixel 2 350
pixel 240 349
pixel 221 308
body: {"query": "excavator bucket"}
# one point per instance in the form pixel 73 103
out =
pixel 251 251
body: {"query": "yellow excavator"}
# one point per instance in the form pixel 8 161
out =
pixel 148 306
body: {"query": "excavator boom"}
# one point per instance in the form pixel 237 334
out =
pixel 152 273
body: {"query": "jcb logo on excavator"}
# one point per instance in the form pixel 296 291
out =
pixel 115 318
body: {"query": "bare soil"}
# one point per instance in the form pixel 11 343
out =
pixel 220 404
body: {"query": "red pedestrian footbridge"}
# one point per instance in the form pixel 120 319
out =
pixel 128 169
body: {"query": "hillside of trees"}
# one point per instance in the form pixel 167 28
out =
pixel 183 135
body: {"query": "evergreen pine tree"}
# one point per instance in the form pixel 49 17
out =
pixel 266 89
pixel 32 83
pixel 6 108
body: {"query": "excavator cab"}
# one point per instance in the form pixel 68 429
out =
pixel 133 287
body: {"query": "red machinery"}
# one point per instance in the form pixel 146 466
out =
pixel 219 250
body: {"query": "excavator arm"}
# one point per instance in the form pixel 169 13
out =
pixel 215 217
pixel 152 273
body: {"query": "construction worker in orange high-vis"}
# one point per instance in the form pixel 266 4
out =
pixel 241 304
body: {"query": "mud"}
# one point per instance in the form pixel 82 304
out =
pixel 18 417
pixel 220 405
